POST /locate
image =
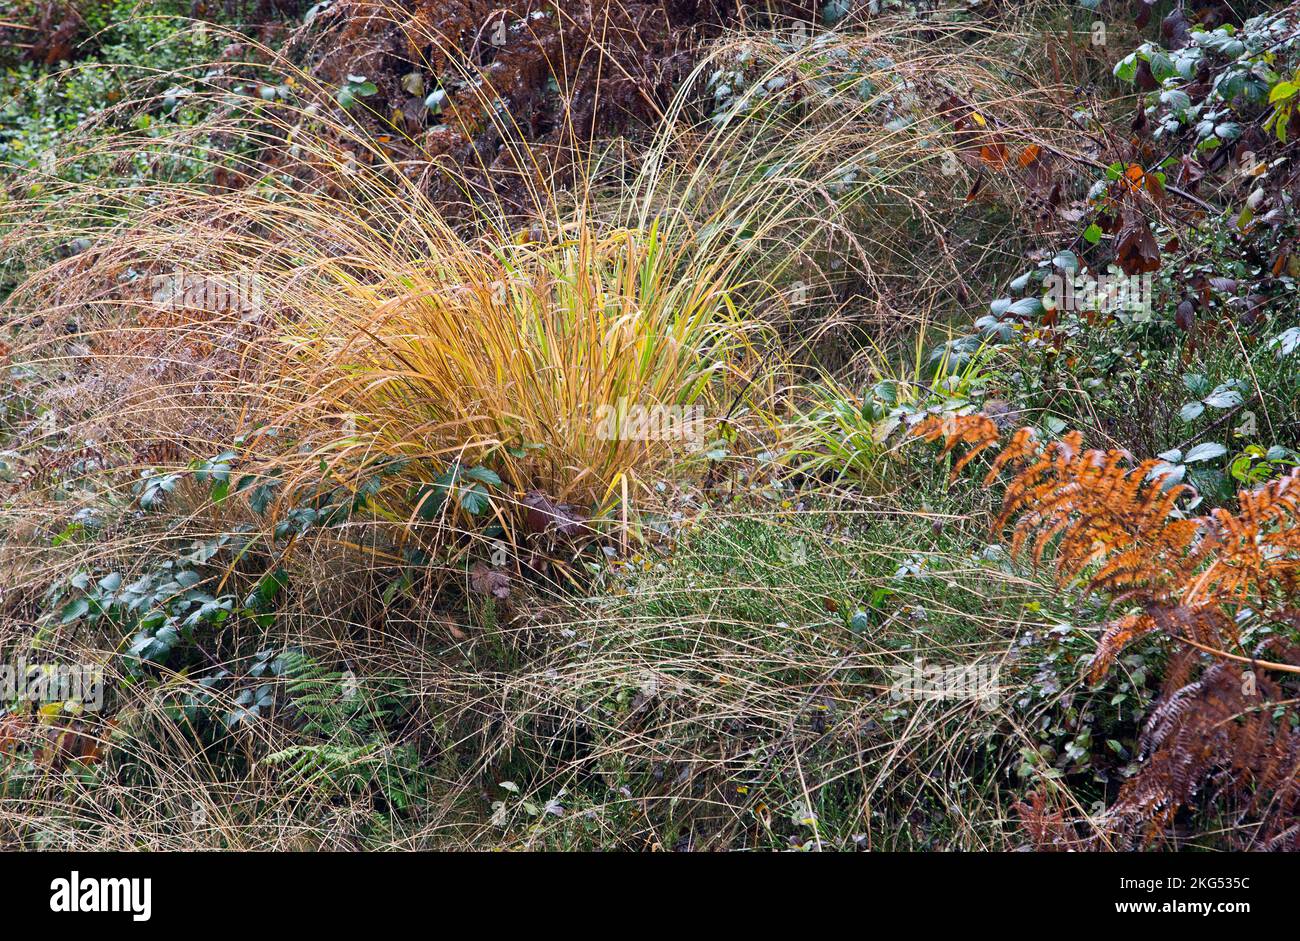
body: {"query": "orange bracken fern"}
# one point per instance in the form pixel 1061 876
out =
pixel 1114 527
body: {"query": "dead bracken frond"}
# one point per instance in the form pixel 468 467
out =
pixel 1114 528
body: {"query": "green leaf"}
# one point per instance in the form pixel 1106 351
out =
pixel 1191 411
pixel 1162 66
pixel 261 498
pixel 1066 261
pixel 1026 307
pixel 430 498
pixel 1287 342
pixel 1176 100
pixel 1282 91
pixel 1206 452
pixel 267 588
pixel 69 532
pixel 1224 398
pixel 1092 234
pixel 485 475
pixel 75 609
pixel 474 500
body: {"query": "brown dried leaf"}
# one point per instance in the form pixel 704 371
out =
pixel 489 581
pixel 1136 250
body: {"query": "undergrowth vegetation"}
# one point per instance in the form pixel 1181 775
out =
pixel 456 425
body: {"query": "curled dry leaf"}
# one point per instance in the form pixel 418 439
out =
pixel 1136 250
pixel 489 581
pixel 545 514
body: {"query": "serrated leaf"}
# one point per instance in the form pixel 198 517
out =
pixel 485 475
pixel 473 500
pixel 73 610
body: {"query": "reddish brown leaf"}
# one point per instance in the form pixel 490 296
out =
pixel 545 514
pixel 994 154
pixel 1189 172
pixel 1176 30
pixel 1136 250
pixel 1145 80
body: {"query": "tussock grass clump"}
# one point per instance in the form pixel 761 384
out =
pixel 376 322
pixel 267 364
pixel 529 359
